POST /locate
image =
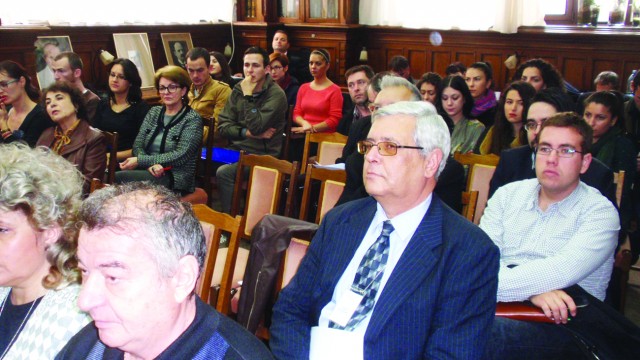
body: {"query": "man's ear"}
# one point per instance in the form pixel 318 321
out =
pixel 586 161
pixel 432 163
pixel 185 278
pixel 77 73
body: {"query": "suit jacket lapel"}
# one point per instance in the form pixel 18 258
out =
pixel 416 264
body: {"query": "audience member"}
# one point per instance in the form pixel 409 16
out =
pixel 141 251
pixel 319 104
pixel 39 197
pixel 72 137
pixel 298 60
pixel 400 66
pixel 451 181
pixel 219 69
pixel 170 137
pixel 67 67
pixel 610 145
pixel 605 81
pixel 518 163
pixel 540 74
pixel 21 117
pixel 279 69
pixel 358 78
pixel 253 119
pixel 395 312
pixel 456 68
pixel 457 103
pixel 508 131
pixel 479 78
pixel 124 109
pixel 553 232
pixel 430 86
pixel 206 96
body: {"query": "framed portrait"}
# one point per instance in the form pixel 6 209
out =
pixel 47 47
pixel 135 47
pixel 176 46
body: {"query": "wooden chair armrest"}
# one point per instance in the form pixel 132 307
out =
pixel 521 311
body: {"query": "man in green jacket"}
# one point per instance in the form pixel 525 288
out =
pixel 252 120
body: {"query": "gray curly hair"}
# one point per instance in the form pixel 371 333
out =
pixel 47 189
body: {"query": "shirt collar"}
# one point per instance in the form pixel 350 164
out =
pixel 405 224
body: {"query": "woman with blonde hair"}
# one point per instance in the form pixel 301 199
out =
pixel 40 193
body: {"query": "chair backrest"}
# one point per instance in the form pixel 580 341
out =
pixel 292 257
pixel 214 224
pixel 112 147
pixel 332 183
pixel 96 184
pixel 336 142
pixel 618 179
pixel 479 177
pixel 204 167
pixel 266 182
pixel 469 204
pixel 471 159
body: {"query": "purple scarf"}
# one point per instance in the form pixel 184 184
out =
pixel 484 103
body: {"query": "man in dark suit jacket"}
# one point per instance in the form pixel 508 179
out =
pixel 435 295
pixel 517 164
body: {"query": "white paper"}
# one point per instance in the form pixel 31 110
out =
pixel 339 166
pixel 334 344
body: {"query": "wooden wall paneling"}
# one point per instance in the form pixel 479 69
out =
pixel 600 65
pixel 467 58
pixel 246 36
pixel 418 60
pixel 576 72
pixel 440 60
pixel 497 64
pixel 629 66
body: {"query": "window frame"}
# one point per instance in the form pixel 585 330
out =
pixel 568 18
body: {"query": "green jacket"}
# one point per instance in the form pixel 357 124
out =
pixel 257 113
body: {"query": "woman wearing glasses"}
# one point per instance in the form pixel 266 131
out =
pixel 280 74
pixel 124 109
pixel 21 117
pixel 602 110
pixel 169 140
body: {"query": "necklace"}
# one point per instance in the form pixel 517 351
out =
pixel 24 320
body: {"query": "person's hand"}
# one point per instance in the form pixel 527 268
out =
pixel 248 85
pixel 556 304
pixel 268 134
pixel 4 117
pixel 129 164
pixel 304 127
pixel 156 170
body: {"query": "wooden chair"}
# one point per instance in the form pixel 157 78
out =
pixel 287 134
pixel 331 185
pixel 112 164
pixel 618 179
pixel 204 167
pixel 329 148
pixel 478 180
pixel 214 224
pixel 469 203
pixel 264 187
pixel 471 159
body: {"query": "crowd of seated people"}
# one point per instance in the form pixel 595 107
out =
pixel 552 156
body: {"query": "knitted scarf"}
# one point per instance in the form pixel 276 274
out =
pixel 484 103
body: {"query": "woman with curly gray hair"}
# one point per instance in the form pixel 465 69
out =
pixel 39 197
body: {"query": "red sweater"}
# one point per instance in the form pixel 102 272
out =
pixel 318 106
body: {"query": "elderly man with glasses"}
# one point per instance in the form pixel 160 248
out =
pixel 557 237
pixel 518 163
pixel 390 276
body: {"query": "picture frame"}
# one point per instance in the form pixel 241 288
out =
pixel 176 46
pixel 135 47
pixel 46 49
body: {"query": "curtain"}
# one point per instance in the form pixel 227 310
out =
pixel 499 15
pixel 115 12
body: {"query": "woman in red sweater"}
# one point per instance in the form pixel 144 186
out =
pixel 319 103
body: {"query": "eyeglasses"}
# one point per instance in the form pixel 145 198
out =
pixel 5 84
pixel 169 89
pixel 385 148
pixel 533 125
pixel 563 151
pixel 117 76
pixel 276 68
